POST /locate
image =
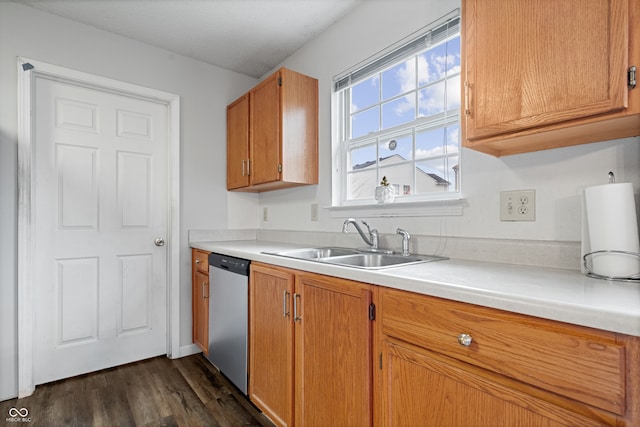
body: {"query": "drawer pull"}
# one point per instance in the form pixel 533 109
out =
pixel 465 340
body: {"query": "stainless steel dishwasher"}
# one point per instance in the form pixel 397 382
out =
pixel 228 316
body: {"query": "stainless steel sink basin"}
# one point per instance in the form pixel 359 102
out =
pixel 316 253
pixel 355 258
pixel 377 261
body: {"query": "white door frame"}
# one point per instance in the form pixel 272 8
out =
pixel 27 71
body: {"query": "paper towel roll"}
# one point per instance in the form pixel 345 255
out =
pixel 613 225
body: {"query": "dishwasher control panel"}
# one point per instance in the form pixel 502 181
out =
pixel 225 262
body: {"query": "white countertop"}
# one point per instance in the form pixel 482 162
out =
pixel 563 295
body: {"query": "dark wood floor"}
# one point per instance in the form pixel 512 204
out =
pixel 154 392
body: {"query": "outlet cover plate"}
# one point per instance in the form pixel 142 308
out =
pixel 518 205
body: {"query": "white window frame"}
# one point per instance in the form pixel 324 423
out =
pixel 427 204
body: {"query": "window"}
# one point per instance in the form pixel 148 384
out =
pixel 397 116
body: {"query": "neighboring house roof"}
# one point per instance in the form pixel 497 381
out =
pixel 437 178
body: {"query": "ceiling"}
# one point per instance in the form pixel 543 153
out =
pixel 247 36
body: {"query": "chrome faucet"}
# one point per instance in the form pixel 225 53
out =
pixel 405 241
pixel 371 239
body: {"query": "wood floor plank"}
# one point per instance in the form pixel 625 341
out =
pixel 145 401
pixel 157 392
pixel 222 397
pixel 181 398
pixel 110 407
pixel 169 421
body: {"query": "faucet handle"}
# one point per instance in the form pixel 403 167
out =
pixel 373 235
pixel 374 238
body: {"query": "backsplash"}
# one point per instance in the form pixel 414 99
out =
pixel 565 255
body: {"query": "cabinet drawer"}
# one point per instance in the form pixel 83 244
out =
pixel 580 363
pixel 201 261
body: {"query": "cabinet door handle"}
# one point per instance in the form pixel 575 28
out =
pixel 197 261
pixel 205 287
pixel 285 305
pixel 296 318
pixel 248 167
pixel 465 340
pixel 244 162
pixel 467 94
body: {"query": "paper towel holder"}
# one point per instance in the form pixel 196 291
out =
pixel 590 273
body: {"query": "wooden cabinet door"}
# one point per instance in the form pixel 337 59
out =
pixel 333 352
pixel 271 342
pixel 299 145
pixel 200 296
pixel 265 131
pixel 238 143
pixel 421 388
pixel 534 63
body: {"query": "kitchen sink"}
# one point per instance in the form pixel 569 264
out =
pixel 373 261
pixel 355 258
pixel 316 253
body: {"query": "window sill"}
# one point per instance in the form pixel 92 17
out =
pixel 451 207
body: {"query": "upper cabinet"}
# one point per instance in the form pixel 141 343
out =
pixel 542 74
pixel 272 134
pixel 238 143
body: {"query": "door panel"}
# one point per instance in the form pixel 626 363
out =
pixel 77 183
pixel 100 193
pixel 333 339
pixel 238 143
pixel 134 285
pixel 76 299
pixel 271 343
pixel 265 132
pixel 134 183
pixel 571 68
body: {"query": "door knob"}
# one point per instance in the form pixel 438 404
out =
pixel 159 242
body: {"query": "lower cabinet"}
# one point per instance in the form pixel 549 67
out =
pixel 456 364
pixel 321 354
pixel 422 389
pixel 200 298
pixel 310 348
pixel 271 342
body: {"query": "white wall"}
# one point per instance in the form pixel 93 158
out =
pixel 204 92
pixel 557 175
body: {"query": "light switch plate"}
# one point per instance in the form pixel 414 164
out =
pixel 518 205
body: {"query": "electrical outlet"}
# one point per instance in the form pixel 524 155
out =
pixel 519 205
pixel 314 211
pixel 265 214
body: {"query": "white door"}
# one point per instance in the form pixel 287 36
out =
pixel 100 200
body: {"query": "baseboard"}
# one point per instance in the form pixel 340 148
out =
pixel 187 350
